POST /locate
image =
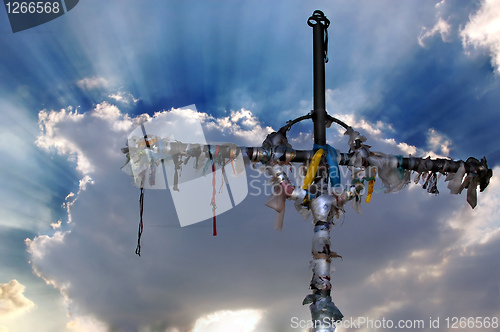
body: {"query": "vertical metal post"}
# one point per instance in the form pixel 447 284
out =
pixel 319 23
pixel 323 311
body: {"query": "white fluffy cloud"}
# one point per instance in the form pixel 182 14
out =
pixel 438 142
pixel 52 138
pixel 483 31
pixel 442 27
pixel 123 97
pixel 12 300
pixel 479 31
pixel 242 124
pixel 106 227
pixel 184 273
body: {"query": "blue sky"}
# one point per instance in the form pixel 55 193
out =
pixel 415 77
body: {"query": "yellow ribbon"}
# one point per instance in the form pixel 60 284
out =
pixel 313 168
pixel 371 184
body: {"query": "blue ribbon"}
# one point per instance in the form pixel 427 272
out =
pixel 333 165
pixel 400 169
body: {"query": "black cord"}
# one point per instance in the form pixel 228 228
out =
pixel 141 225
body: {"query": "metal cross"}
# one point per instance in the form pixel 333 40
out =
pixel 321 193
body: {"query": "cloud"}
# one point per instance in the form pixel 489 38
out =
pixel 245 126
pixel 39 248
pixel 442 27
pixel 85 324
pixel 49 123
pixel 55 136
pixel 449 19
pixel 56 225
pixel 415 285
pixel 120 122
pixel 96 138
pixel 438 142
pixel 483 31
pixel 91 83
pixel 12 300
pixel 437 145
pixel 482 227
pixel 123 97
pixel 30 195
pixel 44 243
pixel 106 282
pixel 403 257
pixel 183 273
pixel 228 321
